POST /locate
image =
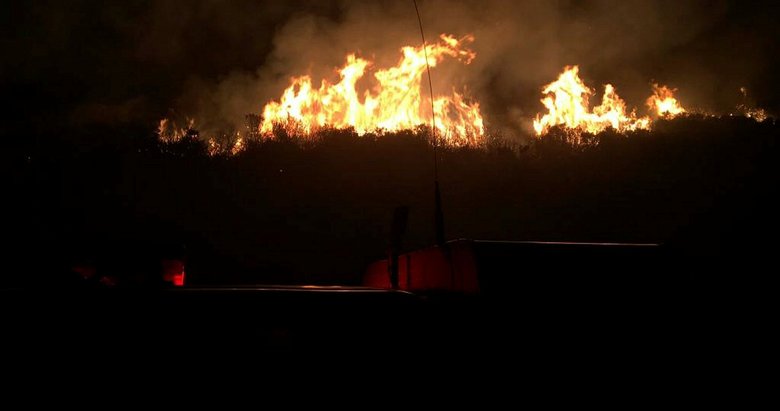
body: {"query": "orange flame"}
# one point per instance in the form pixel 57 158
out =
pixel 169 132
pixel 225 144
pixel 748 110
pixel 567 105
pixel 395 102
pixel 663 103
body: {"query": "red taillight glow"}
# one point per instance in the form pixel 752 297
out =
pixel 178 279
pixel 173 272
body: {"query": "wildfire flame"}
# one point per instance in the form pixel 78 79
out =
pixel 756 113
pixel 169 132
pixel 567 105
pixel 394 103
pixel 663 103
pixel 226 145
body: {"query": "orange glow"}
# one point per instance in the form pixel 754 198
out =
pixel 170 132
pixel 226 145
pixel 663 103
pixel 756 113
pixel 238 146
pixel 566 100
pixel 395 101
pixel 567 105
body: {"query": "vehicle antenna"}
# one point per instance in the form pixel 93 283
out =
pixel 438 216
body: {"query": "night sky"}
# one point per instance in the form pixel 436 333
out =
pixel 81 63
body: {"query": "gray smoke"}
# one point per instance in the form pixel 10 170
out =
pixel 219 60
pixel 520 46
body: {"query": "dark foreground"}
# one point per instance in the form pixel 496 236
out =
pixel 578 340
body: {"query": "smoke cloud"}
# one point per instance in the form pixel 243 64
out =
pixel 217 61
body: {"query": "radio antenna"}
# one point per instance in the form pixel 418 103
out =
pixel 439 216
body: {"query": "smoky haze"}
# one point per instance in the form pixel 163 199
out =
pixel 134 62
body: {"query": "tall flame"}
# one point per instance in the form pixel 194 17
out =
pixel 394 103
pixel 663 103
pixel 567 105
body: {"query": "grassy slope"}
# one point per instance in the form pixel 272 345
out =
pixel 282 211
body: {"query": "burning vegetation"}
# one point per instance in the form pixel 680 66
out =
pixel 662 102
pixel 393 100
pixel 394 103
pixel 567 103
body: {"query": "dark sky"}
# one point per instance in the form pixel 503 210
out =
pixel 79 63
